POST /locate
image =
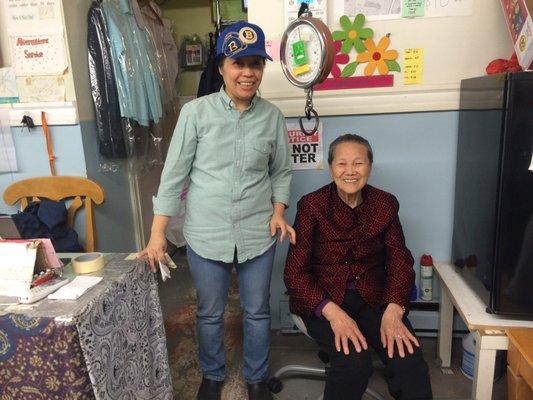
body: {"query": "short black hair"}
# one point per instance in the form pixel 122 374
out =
pixel 220 60
pixel 350 138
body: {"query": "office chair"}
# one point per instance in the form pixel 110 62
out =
pixel 275 385
pixel 82 191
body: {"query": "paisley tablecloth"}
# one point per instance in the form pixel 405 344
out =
pixel 109 344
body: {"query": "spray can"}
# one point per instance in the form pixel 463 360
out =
pixel 426 277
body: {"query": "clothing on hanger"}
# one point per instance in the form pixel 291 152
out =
pixel 110 136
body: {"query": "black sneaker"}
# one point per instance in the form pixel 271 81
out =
pixel 259 391
pixel 209 390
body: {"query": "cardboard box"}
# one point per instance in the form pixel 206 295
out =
pixel 518 16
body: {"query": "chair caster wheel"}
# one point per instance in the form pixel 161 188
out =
pixel 275 385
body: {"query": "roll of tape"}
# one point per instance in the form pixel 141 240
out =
pixel 87 263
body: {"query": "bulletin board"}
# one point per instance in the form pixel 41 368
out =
pixel 454 48
pixel 35 75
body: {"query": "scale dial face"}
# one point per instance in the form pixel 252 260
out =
pixel 306 52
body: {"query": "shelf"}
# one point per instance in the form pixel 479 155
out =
pixel 57 113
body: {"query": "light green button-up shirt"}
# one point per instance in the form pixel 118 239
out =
pixel 238 163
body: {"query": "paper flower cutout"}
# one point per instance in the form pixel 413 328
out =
pixel 353 34
pixel 379 57
pixel 339 58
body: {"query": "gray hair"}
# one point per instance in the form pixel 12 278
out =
pixel 350 138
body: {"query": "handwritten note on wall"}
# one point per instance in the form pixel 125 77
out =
pixel 38 55
pixel 28 17
pixel 413 8
pixel 413 66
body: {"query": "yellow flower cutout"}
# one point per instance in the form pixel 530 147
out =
pixel 379 57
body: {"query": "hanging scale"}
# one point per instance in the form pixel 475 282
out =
pixel 306 55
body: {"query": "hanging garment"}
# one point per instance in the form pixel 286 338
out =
pixel 171 51
pixel 103 87
pixel 211 81
pixel 138 83
pixel 158 32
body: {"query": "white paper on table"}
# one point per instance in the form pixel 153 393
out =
pixel 16 266
pixel 35 89
pixel 75 288
pixel 38 55
pixel 33 17
pixel 8 156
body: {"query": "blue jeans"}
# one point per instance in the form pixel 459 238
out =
pixel 212 280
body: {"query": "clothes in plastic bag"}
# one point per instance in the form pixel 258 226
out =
pixel 110 136
pixel 158 30
pixel 137 78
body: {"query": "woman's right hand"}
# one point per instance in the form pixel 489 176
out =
pixel 344 328
pixel 157 246
pixel 155 250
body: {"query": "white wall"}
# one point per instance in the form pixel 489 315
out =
pixel 455 48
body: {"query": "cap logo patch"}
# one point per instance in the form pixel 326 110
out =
pixel 233 44
pixel 248 35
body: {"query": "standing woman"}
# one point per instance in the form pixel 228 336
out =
pixel 233 146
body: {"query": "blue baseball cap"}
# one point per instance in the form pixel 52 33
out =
pixel 242 39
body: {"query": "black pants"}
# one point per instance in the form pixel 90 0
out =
pixel 348 376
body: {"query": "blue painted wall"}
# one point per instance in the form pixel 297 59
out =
pixel 414 158
pixel 76 152
pixel 32 157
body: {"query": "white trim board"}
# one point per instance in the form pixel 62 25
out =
pixel 57 113
pixel 377 101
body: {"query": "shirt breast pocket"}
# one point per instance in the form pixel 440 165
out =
pixel 257 155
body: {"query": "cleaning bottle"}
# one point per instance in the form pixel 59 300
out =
pixel 426 277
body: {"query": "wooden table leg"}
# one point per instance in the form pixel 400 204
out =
pixel 486 347
pixel 445 328
pixel 483 371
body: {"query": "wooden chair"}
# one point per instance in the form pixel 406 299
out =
pixel 83 192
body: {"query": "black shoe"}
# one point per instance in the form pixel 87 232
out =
pixel 209 390
pixel 259 391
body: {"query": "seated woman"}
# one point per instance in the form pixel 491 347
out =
pixel 349 277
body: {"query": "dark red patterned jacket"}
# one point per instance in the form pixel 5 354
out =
pixel 337 244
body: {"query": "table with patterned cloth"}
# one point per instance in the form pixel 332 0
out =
pixel 108 344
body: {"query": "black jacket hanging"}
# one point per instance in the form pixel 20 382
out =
pixel 211 81
pixel 111 141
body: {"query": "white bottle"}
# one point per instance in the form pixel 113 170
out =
pixel 426 278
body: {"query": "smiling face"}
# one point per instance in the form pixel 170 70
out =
pixel 242 77
pixel 350 170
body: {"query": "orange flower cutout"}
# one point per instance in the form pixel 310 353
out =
pixel 379 57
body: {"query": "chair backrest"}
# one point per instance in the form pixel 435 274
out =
pixel 299 322
pixel 82 191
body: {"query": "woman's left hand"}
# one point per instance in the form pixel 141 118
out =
pixel 395 333
pixel 278 222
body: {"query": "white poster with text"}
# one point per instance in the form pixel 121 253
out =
pixel 38 55
pixel 33 17
pixel 306 151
